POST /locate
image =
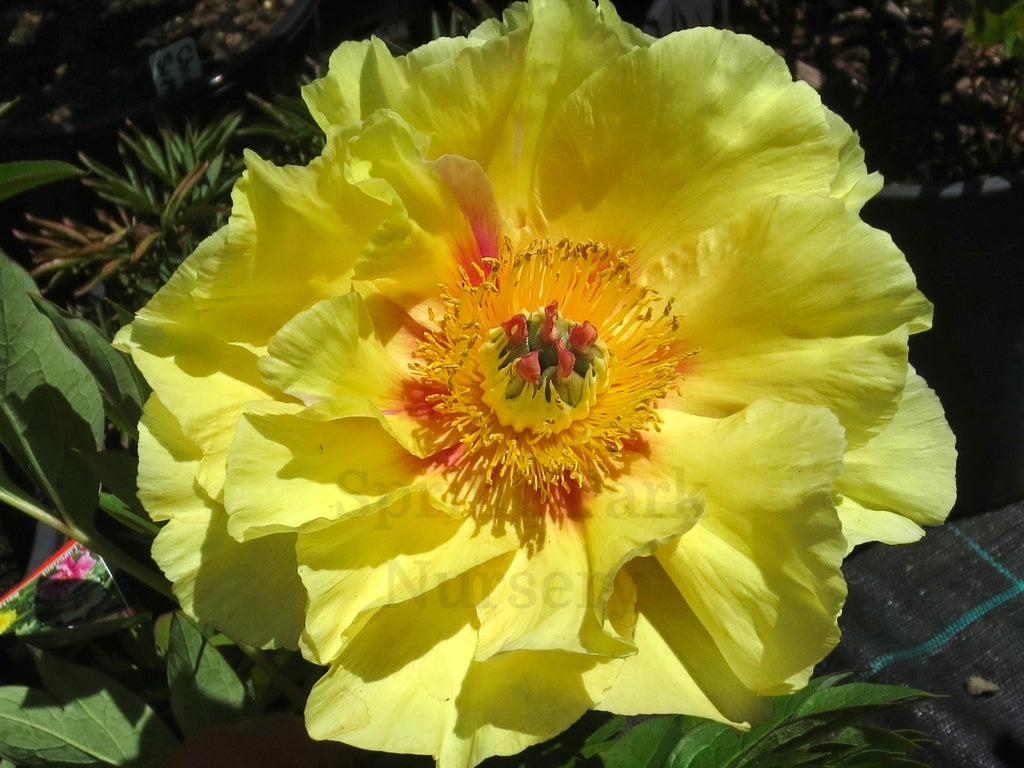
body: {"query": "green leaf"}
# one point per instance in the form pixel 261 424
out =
pixel 86 718
pixel 205 691
pixel 648 745
pixel 819 726
pixel 123 389
pixel 127 516
pixel 22 175
pixel 51 411
pixel 699 743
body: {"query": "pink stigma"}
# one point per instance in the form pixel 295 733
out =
pixel 549 334
pixel 582 336
pixel 566 360
pixel 515 328
pixel 528 367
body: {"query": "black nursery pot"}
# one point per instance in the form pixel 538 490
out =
pixel 965 243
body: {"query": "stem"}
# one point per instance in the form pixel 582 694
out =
pixel 276 676
pixel 22 504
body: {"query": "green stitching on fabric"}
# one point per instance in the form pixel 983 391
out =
pixel 984 554
pixel 937 641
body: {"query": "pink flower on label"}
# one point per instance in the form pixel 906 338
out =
pixel 69 568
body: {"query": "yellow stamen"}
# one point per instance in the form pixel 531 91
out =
pixel 565 432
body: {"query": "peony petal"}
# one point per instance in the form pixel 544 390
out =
pixel 168 462
pixel 790 268
pixel 799 299
pixel 333 100
pixel 178 359
pixel 568 41
pixel 363 77
pixel 678 668
pixel 852 184
pixel 542 599
pixel 427 696
pixel 292 240
pixel 909 469
pixel 518 699
pixel 631 516
pixel 402 700
pixel 419 247
pixel 287 472
pixel 330 358
pixel 250 591
pixel 620 174
pixel 861 525
pixel 761 568
pixel 358 565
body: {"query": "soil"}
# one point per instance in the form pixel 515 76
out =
pixel 929 107
pixel 70 60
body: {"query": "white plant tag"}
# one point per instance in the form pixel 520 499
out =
pixel 175 65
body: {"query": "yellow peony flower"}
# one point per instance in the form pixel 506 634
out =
pixel 565 378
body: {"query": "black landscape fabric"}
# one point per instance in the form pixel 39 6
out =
pixel 946 615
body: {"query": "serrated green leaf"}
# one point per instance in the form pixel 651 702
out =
pixel 51 411
pixel 205 691
pixel 23 175
pixel 647 745
pixel 123 389
pixel 85 718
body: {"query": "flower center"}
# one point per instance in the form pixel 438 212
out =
pixel 541 372
pixel 538 401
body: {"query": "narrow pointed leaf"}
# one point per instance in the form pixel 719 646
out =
pixel 22 175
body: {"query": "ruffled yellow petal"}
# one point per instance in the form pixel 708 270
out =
pixel 179 359
pixel 852 184
pixel 908 469
pixel 678 668
pixel 287 472
pixel 568 41
pixel 790 268
pixel 635 513
pixel 292 240
pixel 333 100
pixel 250 591
pixel 542 599
pixel 761 568
pixel 861 525
pixel 622 174
pixel 796 298
pixel 426 695
pixel 358 565
pixel 363 77
pixel 332 359
pixel 401 700
pixel 429 228
pixel 519 699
